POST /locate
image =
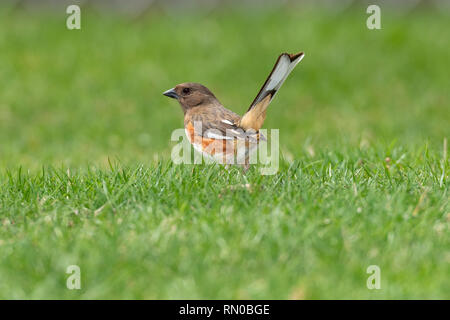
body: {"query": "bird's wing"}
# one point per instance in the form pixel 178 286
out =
pixel 223 124
pixel 255 115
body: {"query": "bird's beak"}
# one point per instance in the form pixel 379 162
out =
pixel 171 93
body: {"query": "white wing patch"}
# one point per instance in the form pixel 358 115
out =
pixel 227 122
pixel 214 134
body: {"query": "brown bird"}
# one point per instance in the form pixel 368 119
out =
pixel 220 133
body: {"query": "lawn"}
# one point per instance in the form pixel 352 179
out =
pixel 86 177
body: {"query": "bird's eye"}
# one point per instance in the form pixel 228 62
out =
pixel 186 90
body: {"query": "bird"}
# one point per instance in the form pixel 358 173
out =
pixel 218 132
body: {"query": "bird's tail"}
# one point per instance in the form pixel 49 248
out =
pixel 256 114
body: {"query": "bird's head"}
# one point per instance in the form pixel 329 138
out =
pixel 191 95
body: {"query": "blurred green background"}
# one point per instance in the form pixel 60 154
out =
pixel 71 102
pixel 81 96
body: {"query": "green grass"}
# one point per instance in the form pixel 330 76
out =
pixel 86 176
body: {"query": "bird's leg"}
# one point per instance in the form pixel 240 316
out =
pixel 246 165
